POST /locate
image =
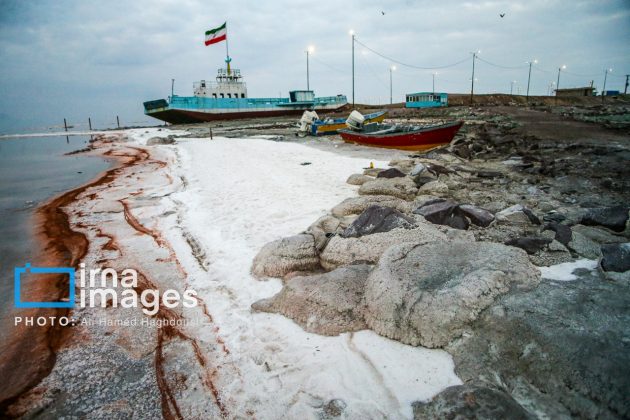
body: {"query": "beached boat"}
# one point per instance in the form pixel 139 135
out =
pixel 402 137
pixel 227 99
pixel 332 126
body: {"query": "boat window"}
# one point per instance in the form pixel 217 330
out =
pixel 229 95
pixel 222 95
pixel 214 95
pixel 242 95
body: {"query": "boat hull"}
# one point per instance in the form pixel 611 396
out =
pixel 417 141
pixel 181 116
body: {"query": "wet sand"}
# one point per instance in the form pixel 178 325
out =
pixel 31 353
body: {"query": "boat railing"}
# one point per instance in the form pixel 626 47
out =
pixel 214 85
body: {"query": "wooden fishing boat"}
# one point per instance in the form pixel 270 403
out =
pixel 332 126
pixel 402 137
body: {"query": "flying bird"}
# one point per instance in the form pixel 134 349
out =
pixel 383 13
pixel 502 14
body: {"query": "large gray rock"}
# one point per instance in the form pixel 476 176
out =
pixel 428 294
pixel 323 229
pixel 356 205
pixel 614 218
pixel 583 246
pixel 403 188
pixel 599 235
pixel 477 215
pixel 560 349
pixel 358 179
pixel 368 249
pixel 471 402
pixel 434 188
pixel 616 257
pixel 517 214
pixel 377 219
pixel 327 304
pixel 280 257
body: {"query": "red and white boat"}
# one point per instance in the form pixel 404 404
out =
pixel 400 137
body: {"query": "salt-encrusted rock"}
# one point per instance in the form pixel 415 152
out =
pixel 471 402
pixel 418 169
pixel 560 349
pixel 614 218
pixel 368 249
pixel 396 187
pixel 280 257
pixel 390 173
pixel 327 304
pixel 323 229
pixel 356 205
pixel 434 188
pixel 583 246
pixel 477 215
pixel 531 244
pixel 376 219
pixel 160 140
pixel 517 214
pixel 599 235
pixel 616 257
pixel 358 179
pixel 428 294
pixel 405 165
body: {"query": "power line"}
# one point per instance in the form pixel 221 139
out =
pixel 328 65
pixel 502 67
pixel 409 65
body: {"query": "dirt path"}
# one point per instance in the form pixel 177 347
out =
pixel 548 126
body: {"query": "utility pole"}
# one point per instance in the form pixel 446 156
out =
pixel 434 82
pixel 472 80
pixel 172 87
pixel 529 77
pixel 353 34
pixel 308 51
pixel 604 88
pixel 625 91
pixel 558 82
pixel 391 70
pixel 512 86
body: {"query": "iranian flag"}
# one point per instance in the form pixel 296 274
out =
pixel 216 35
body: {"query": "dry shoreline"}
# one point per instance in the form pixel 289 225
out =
pixel 32 353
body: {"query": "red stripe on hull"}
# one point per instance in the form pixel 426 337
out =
pixel 421 140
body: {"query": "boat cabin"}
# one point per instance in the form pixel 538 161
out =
pixel 229 84
pixel 426 100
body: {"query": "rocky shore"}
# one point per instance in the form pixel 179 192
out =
pixel 487 279
pixel 446 250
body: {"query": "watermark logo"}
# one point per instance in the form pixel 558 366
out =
pixel 18 272
pixel 103 288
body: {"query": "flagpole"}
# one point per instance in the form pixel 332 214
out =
pixel 227 51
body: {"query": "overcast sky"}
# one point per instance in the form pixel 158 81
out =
pixel 77 59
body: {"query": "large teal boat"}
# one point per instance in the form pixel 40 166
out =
pixel 226 98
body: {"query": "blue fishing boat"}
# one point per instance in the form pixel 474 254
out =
pixel 227 98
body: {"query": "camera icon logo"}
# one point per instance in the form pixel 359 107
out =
pixel 17 276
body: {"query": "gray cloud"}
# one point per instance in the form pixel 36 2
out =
pixel 101 59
